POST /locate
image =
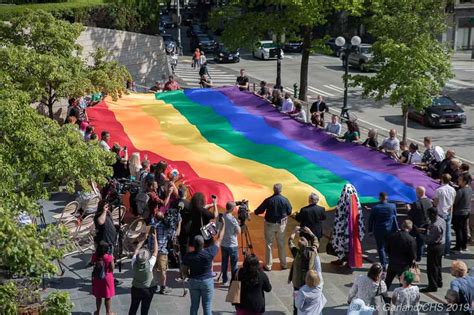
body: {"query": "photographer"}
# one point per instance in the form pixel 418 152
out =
pixel 104 225
pixel 277 209
pixel 201 213
pixel 121 163
pixel 305 257
pixel 229 246
pixel 184 207
pixel 198 265
pixel 143 283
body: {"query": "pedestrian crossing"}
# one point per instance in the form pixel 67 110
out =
pixel 190 76
pixel 459 84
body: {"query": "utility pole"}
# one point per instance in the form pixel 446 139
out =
pixel 178 13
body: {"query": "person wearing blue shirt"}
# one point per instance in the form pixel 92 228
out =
pixel 198 266
pixel 277 209
pixel 382 223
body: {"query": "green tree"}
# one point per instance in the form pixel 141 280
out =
pixel 415 65
pixel 247 21
pixel 37 157
pixel 39 55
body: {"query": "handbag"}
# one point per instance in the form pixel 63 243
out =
pixel 415 270
pixel 233 295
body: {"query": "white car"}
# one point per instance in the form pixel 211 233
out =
pixel 266 49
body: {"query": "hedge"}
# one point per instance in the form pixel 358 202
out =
pixel 91 13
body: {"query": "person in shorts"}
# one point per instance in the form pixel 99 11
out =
pixel 163 235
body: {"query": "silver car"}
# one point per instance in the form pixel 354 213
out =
pixel 361 58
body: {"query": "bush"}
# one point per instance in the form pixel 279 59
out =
pixel 91 13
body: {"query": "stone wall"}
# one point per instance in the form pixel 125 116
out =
pixel 143 55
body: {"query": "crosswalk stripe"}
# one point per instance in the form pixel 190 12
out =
pixel 323 93
pixel 336 87
pixel 332 88
pixel 462 82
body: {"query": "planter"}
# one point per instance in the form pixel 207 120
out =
pixel 33 309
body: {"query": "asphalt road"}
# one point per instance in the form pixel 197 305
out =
pixel 325 78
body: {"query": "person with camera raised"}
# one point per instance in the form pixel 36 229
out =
pixel 305 257
pixel 201 213
pixel 277 209
pixel 229 246
pixel 143 283
pixel 198 266
pixel 104 225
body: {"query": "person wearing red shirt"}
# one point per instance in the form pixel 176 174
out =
pixel 171 84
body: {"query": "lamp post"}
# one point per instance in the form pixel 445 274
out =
pixel 178 13
pixel 346 50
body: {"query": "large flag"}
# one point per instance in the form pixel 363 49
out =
pixel 236 145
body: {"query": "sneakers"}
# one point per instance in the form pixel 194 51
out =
pixel 464 250
pixel 164 290
pixel 266 268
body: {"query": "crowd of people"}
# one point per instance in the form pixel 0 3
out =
pixel 196 231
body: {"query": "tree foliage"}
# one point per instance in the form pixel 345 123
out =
pixel 247 21
pixel 35 150
pixel 39 55
pixel 414 65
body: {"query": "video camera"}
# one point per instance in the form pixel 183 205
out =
pixel 243 213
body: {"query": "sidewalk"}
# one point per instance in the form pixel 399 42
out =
pixel 337 281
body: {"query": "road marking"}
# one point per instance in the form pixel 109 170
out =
pixel 336 87
pixel 323 93
pixel 333 88
pixel 462 82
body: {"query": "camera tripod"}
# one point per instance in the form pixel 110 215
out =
pixel 245 240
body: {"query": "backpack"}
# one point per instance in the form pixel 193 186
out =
pixel 99 270
pixel 171 218
pixel 141 201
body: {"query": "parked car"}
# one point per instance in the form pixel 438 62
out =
pixel 293 46
pixel 331 43
pixel 443 111
pixel 167 22
pixel 204 42
pixel 360 58
pixel 194 30
pixel 170 43
pixel 266 49
pixel 222 54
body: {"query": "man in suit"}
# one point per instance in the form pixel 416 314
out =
pixel 401 249
pixel 312 216
pixel 382 223
pixel 318 107
pixel 419 216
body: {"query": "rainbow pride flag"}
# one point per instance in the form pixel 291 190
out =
pixel 235 145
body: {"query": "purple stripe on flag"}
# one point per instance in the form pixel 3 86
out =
pixel 316 139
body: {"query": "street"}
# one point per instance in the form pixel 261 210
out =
pixel 325 78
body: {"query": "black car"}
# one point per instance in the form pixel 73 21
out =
pixel 222 54
pixel 331 43
pixel 293 46
pixel 204 42
pixel 443 111
pixel 167 22
pixel 194 30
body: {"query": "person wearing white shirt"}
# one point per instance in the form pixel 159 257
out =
pixel 203 58
pixel 287 104
pixel 298 113
pixel 334 126
pixel 444 201
pixel 105 137
pixel 414 157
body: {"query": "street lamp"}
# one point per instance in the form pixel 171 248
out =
pixel 346 50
